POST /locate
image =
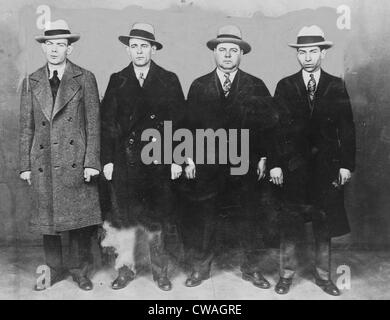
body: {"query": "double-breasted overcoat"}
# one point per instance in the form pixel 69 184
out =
pixel 57 141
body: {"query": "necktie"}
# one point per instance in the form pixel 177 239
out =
pixel 311 87
pixel 226 85
pixel 141 79
pixel 54 84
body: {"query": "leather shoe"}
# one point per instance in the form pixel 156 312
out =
pixel 125 276
pixel 195 279
pixel 164 283
pixel 257 280
pixel 83 282
pixel 283 285
pixel 327 286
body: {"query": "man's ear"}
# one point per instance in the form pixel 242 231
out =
pixel 44 47
pixel 69 49
pixel 323 53
pixel 128 50
pixel 154 49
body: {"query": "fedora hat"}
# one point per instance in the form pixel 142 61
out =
pixel 311 36
pixel 229 34
pixel 58 29
pixel 143 31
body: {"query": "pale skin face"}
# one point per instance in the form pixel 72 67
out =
pixel 57 51
pixel 227 57
pixel 310 58
pixel 140 52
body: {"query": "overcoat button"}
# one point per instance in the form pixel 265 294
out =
pixel 40 146
pixel 131 141
pixel 71 142
pixel 73 165
pixel 152 116
pixel 154 139
pixel 43 123
pixel 70 119
pixel 155 162
pixel 40 170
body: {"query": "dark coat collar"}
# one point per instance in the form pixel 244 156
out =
pixel 128 76
pixel 323 84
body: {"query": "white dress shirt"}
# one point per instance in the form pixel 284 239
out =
pixel 60 70
pixel 221 76
pixel 138 71
pixel 306 77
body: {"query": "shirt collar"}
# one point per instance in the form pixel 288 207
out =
pixel 138 71
pixel 221 75
pixel 60 69
pixel 306 76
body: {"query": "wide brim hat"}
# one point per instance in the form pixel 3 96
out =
pixel 143 31
pixel 312 36
pixel 57 30
pixel 229 34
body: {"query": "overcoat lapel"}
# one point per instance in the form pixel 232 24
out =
pixel 323 85
pixel 40 87
pixel 68 87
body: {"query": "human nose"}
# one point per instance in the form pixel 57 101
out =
pixel 139 50
pixel 227 54
pixel 307 57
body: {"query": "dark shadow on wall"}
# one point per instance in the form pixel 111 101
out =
pixel 10 187
pixel 368 196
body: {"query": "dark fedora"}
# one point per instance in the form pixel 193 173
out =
pixel 57 30
pixel 143 31
pixel 229 34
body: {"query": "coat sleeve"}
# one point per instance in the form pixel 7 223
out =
pixel 109 107
pixel 26 127
pixel 92 123
pixel 347 135
pixel 268 119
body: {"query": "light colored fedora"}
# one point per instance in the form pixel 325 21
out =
pixel 229 34
pixel 310 37
pixel 143 31
pixel 57 30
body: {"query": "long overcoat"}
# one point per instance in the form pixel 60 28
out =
pixel 315 143
pixel 140 193
pixel 57 141
pixel 248 106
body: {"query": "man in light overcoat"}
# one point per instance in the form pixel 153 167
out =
pixel 60 154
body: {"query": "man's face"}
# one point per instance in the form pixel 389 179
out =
pixel 227 56
pixel 57 51
pixel 140 52
pixel 310 58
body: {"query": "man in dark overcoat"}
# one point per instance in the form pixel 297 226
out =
pixel 141 96
pixel 226 98
pixel 60 153
pixel 317 145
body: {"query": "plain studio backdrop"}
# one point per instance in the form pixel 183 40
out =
pixel 361 55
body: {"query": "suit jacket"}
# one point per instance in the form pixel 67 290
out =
pixel 57 141
pixel 316 142
pixel 127 110
pixel 248 106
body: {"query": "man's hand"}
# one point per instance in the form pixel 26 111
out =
pixel 344 176
pixel 261 168
pixel 276 176
pixel 26 175
pixel 190 169
pixel 89 173
pixel 107 171
pixel 176 171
